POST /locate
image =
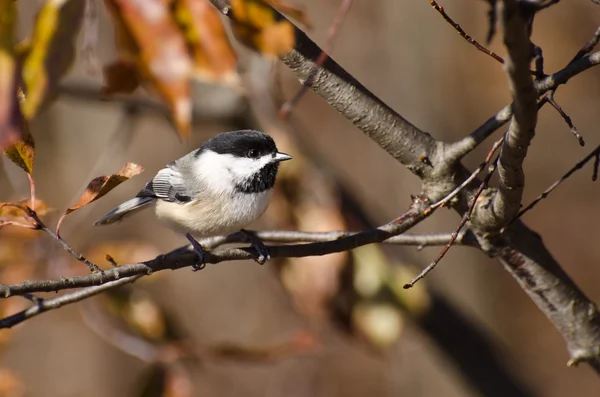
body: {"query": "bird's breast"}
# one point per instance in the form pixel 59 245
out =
pixel 216 215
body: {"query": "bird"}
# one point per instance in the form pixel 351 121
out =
pixel 214 190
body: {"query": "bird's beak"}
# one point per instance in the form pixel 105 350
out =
pixel 279 157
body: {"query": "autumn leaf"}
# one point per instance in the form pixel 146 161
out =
pixel 16 210
pixel 120 77
pixel 50 52
pixel 256 24
pixel 101 185
pixel 147 34
pixel 214 57
pixel 10 118
pixel 22 152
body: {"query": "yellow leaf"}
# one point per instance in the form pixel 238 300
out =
pixel 22 152
pixel 50 52
pixel 101 185
pixel 256 24
pixel 10 117
pixel 214 57
pixel 148 33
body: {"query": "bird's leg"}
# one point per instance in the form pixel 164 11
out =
pixel 199 251
pixel 257 244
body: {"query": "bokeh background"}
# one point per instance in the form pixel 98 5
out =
pixel 284 328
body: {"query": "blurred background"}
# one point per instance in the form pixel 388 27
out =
pixel 338 325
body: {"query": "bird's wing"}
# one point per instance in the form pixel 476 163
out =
pixel 168 185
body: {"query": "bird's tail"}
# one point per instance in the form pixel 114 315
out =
pixel 123 210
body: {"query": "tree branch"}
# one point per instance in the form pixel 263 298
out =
pixel 524 256
pixel 511 181
pixel 183 257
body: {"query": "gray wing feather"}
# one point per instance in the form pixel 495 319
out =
pixel 168 185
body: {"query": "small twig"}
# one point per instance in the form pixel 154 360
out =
pixel 55 303
pixel 587 47
pixel 549 98
pixel 287 107
pixel 39 225
pixel 32 298
pixel 462 222
pixel 464 34
pixel 594 154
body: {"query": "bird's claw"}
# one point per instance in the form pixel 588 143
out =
pixel 201 264
pixel 262 251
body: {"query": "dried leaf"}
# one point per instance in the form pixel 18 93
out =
pixel 101 185
pixel 214 57
pixel 50 52
pixel 258 26
pixel 147 33
pixel 10 117
pixel 13 210
pixel 120 77
pixel 22 152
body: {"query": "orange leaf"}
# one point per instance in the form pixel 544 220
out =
pixel 147 33
pixel 17 210
pixel 256 24
pixel 10 117
pixel 101 185
pixel 214 57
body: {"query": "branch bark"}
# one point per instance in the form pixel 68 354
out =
pixel 511 182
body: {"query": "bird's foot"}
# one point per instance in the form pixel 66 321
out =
pixel 201 264
pixel 262 251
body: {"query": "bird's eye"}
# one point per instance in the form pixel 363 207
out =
pixel 253 153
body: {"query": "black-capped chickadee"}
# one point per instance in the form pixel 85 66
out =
pixel 214 190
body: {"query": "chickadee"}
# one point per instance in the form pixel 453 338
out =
pixel 217 189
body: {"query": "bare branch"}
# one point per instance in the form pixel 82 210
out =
pixel 506 203
pixel 569 310
pixel 50 304
pixel 340 17
pixel 467 216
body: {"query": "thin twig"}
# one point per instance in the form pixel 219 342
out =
pixel 55 303
pixel 39 225
pixel 464 219
pixel 464 34
pixel 549 97
pixel 459 149
pixel 340 17
pixel 594 154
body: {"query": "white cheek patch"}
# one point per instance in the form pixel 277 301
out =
pixel 222 172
